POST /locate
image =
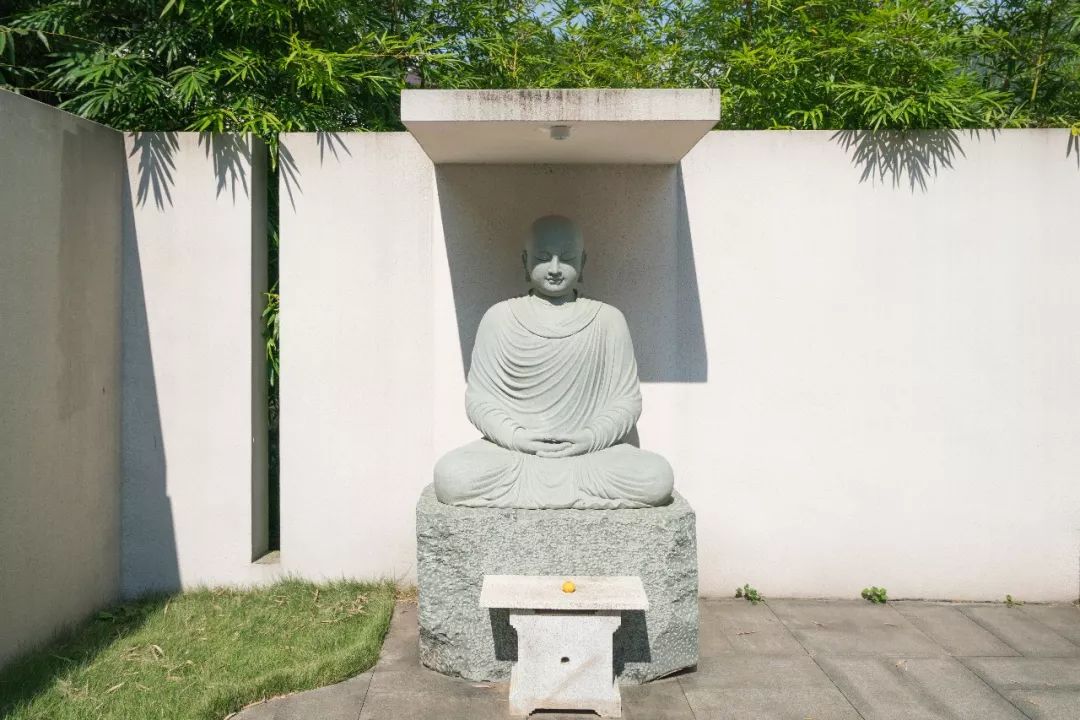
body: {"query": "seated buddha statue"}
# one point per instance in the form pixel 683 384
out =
pixel 553 389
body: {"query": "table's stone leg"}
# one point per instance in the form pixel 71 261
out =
pixel 565 662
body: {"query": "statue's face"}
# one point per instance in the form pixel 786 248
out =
pixel 554 259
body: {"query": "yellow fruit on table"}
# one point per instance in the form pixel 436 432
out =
pixel 568 587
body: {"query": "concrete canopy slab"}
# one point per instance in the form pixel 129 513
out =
pixel 513 127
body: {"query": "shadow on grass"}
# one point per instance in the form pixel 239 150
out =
pixel 34 672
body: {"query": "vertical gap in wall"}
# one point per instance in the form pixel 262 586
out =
pixel 264 356
pixel 273 349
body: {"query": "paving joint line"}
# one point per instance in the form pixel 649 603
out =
pixel 973 671
pixel 375 667
pixel 816 663
pixel 957 660
pixel 1037 621
pixel 363 700
pixel 917 629
pixel 686 699
pixel 964 665
pixel 994 634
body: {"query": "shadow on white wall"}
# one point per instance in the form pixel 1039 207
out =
pixel 637 236
pixel 230 155
pixel 895 157
pixel 149 560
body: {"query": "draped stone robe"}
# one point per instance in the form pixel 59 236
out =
pixel 557 370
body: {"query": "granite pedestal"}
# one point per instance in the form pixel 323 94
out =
pixel 457 546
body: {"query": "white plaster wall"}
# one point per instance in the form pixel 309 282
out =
pixel 356 356
pixel 60 180
pixel 893 395
pixel 857 382
pixel 194 422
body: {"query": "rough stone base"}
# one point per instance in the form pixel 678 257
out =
pixel 457 546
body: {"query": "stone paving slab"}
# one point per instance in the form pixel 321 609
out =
pixel 736 626
pixel 415 706
pixel 852 627
pixel 778 687
pixel 1043 688
pixel 797 659
pixel 333 702
pixel 1021 631
pixel 954 631
pixel 1062 619
pixel 888 688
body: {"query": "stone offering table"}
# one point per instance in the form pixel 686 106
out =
pixel 458 546
pixel 565 659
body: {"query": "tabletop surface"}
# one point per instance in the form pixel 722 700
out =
pixel 544 592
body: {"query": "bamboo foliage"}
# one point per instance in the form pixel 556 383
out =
pixel 268 66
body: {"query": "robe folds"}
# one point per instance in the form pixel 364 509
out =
pixel 554 370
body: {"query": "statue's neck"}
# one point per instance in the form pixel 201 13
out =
pixel 554 301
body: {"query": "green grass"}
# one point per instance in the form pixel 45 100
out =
pixel 202 654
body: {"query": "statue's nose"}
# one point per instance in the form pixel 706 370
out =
pixel 555 269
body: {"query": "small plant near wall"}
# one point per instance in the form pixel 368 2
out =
pixel 751 594
pixel 1011 602
pixel 875 594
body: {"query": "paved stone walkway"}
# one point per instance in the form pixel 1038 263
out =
pixel 798 659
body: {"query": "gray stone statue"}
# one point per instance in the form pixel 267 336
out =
pixel 553 387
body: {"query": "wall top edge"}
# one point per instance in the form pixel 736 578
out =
pixel 569 105
pixel 6 97
pixel 770 131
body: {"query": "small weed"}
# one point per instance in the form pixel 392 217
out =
pixel 751 594
pixel 1009 601
pixel 876 595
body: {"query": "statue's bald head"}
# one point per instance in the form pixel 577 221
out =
pixel 554 233
pixel 554 256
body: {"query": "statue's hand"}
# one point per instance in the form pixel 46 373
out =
pixel 534 443
pixel 577 443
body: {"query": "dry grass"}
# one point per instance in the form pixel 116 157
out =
pixel 406 594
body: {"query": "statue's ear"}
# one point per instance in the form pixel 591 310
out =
pixel 581 272
pixel 525 263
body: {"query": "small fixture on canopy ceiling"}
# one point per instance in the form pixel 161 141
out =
pixel 560 132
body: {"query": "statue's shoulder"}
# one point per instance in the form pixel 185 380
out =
pixel 500 307
pixel 608 314
pixel 497 312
